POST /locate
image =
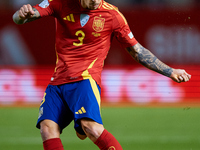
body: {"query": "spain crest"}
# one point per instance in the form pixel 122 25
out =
pixel 98 24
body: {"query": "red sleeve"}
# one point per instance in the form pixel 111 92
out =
pixel 47 7
pixel 122 31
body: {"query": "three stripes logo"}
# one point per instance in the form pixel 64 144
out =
pixel 81 111
pixel 69 18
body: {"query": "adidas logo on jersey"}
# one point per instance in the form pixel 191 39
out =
pixel 69 18
pixel 81 111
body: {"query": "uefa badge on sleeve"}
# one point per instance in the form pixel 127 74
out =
pixel 44 4
pixel 131 35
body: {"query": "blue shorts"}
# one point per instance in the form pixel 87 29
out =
pixel 71 101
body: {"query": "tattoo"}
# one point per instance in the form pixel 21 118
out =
pixel 146 58
pixel 34 17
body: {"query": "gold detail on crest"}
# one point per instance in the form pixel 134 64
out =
pixel 98 24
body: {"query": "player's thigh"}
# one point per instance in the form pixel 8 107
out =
pixel 54 108
pixel 86 104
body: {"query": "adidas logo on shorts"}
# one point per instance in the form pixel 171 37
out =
pixel 81 111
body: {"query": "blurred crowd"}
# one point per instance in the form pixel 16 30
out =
pixel 15 4
pixel 153 2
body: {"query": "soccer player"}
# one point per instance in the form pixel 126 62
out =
pixel 84 30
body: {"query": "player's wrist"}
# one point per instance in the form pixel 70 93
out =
pixel 171 75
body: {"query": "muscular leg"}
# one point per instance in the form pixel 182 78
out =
pixel 50 132
pixel 100 136
pixel 92 129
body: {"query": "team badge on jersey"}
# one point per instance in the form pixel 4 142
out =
pixel 98 24
pixel 44 4
pixel 84 19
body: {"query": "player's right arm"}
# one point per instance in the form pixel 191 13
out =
pixel 26 14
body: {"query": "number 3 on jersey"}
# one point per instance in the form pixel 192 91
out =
pixel 81 35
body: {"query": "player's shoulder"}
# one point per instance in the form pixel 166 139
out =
pixel 60 2
pixel 109 7
pixel 53 1
pixel 114 11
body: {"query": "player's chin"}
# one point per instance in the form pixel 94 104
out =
pixel 93 7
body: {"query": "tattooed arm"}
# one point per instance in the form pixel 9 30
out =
pixel 146 58
pixel 26 14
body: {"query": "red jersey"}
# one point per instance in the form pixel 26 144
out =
pixel 83 38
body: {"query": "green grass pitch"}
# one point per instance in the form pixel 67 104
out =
pixel 135 128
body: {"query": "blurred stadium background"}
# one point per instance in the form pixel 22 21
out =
pixel 169 28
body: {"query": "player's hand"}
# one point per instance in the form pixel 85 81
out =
pixel 25 12
pixel 180 75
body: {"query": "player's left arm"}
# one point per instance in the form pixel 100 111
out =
pixel 149 60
